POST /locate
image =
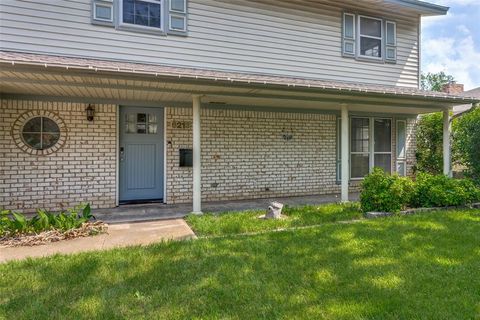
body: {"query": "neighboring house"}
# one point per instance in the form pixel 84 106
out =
pixel 112 102
pixel 459 110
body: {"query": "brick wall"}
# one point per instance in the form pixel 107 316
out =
pixel 244 154
pixel 82 170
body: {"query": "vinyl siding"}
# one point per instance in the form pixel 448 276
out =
pixel 285 38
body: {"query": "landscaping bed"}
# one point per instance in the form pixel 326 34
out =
pixel 404 267
pixel 17 229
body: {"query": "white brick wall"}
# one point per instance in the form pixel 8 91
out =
pixel 83 170
pixel 244 155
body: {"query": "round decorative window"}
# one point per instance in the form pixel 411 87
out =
pixel 39 133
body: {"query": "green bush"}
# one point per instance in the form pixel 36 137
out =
pixel 429 136
pixel 441 191
pixel 13 223
pixel 385 193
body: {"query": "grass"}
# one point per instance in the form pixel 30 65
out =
pixel 248 221
pixel 405 267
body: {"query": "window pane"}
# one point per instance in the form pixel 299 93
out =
pixel 152 129
pixel 142 128
pixel 383 135
pixel 141 13
pixel 33 140
pixel 131 127
pixel 348 26
pixel 371 47
pixel 177 23
pixel 154 15
pixel 49 140
pixel 349 47
pixel 384 161
pixel 33 125
pixel 50 126
pixel 390 33
pixel 103 12
pixel 391 53
pixel 370 27
pixel 401 139
pixel 360 134
pixel 401 168
pixel 177 5
pixel 359 165
pixel 141 117
pixel 128 11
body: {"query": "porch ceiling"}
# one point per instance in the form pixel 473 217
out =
pixel 94 85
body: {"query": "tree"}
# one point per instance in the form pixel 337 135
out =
pixel 466 142
pixel 430 143
pixel 435 81
pixel 430 129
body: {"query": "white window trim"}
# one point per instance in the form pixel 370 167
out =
pixel 184 7
pixel 371 144
pixel 177 16
pixel 105 5
pixel 381 38
pixel 132 26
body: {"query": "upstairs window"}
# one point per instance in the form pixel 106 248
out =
pixel 370 34
pixel 150 16
pixel 144 13
pixel 369 38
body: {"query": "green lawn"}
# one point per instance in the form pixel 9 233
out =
pixel 248 221
pixel 405 267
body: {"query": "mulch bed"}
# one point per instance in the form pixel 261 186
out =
pixel 86 230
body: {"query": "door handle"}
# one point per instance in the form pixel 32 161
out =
pixel 122 154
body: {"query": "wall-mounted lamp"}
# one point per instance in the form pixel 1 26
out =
pixel 90 110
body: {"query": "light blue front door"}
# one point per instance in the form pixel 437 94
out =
pixel 141 154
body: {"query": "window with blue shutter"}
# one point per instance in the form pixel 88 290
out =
pixel 177 17
pixel 390 41
pixel 102 12
pixel 348 45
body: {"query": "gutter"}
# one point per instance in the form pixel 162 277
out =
pixel 424 7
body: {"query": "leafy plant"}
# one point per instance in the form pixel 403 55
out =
pixel 13 223
pixel 384 192
pixel 466 142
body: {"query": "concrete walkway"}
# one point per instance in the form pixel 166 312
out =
pixel 119 235
pixel 158 211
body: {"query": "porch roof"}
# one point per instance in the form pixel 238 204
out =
pixel 26 73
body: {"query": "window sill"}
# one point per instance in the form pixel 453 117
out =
pixel 141 29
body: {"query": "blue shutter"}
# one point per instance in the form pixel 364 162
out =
pixel 102 13
pixel 390 42
pixel 177 17
pixel 348 36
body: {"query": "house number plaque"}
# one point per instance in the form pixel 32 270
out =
pixel 181 124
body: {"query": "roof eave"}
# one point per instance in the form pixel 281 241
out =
pixel 424 8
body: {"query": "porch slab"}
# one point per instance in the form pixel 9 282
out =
pixel 157 211
pixel 119 235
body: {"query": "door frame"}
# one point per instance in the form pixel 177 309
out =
pixel 117 149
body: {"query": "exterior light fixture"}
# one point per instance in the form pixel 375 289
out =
pixel 90 110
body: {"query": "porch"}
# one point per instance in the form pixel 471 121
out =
pixel 106 85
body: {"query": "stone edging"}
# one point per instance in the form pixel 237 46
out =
pixel 373 215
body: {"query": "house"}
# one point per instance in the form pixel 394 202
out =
pixel 121 101
pixel 461 109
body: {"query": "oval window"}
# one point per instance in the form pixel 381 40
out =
pixel 40 133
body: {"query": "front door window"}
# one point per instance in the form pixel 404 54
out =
pixel 141 123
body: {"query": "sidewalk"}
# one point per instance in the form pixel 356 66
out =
pixel 119 235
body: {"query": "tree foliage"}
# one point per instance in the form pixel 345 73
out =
pixel 435 81
pixel 430 143
pixel 466 142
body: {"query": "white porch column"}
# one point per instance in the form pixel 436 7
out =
pixel 344 152
pixel 197 161
pixel 447 158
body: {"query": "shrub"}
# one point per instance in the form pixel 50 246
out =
pixel 13 223
pixel 441 191
pixel 429 137
pixel 384 192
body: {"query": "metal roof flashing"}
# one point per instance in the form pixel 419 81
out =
pixel 424 8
